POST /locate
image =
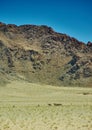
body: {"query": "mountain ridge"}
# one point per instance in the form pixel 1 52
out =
pixel 39 54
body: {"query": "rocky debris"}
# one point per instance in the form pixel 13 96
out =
pixel 9 57
pixel 89 46
pixel 75 58
pixel 87 72
pixel 34 31
pixel 78 68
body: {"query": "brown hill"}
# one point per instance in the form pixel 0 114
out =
pixel 39 54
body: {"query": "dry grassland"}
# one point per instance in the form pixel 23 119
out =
pixel 28 106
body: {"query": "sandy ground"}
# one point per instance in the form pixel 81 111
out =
pixel 23 107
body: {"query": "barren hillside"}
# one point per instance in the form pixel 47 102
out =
pixel 39 54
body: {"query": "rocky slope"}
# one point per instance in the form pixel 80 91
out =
pixel 39 54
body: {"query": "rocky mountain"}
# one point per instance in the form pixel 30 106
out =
pixel 41 55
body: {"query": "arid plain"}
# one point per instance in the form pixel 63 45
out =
pixel 29 106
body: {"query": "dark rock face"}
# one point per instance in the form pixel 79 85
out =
pixel 80 69
pixel 39 54
pixel 89 44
